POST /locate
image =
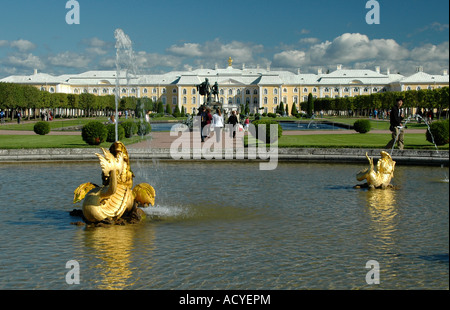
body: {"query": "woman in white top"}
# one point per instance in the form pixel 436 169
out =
pixel 217 124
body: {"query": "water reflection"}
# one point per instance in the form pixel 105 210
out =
pixel 382 209
pixel 113 248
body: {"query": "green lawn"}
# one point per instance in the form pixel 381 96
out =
pixel 37 141
pixel 368 140
pixel 56 123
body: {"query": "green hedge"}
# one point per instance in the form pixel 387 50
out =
pixel 130 128
pixel 269 138
pixel 143 128
pixel 111 128
pixel 440 132
pixel 94 133
pixel 41 128
pixel 362 126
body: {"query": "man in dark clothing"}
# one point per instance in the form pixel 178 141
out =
pixel 396 118
pixel 203 121
pixel 233 121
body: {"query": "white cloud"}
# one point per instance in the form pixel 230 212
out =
pixel 69 60
pixel 290 58
pixel 355 50
pixel 186 50
pixel 23 45
pixel 216 51
pixel 25 61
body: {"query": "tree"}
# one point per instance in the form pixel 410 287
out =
pixel 310 106
pixel 161 107
pixel 294 111
pixel 176 112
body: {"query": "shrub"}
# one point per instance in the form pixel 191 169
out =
pixel 362 126
pixel 440 132
pixel 269 138
pixel 130 128
pixel 41 128
pixel 94 133
pixel 111 128
pixel 143 128
pixel 273 115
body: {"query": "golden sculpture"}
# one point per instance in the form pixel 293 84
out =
pixel 381 178
pixel 115 197
pixel 230 61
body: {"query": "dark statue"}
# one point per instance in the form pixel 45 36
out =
pixel 215 91
pixel 205 90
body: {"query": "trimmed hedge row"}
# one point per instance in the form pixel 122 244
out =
pixel 95 132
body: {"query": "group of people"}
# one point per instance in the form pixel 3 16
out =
pixel 216 123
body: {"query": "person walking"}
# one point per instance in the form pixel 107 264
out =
pixel 396 128
pixel 217 123
pixel 233 121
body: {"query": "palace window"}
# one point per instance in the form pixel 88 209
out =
pixel 184 91
pixel 230 92
pixel 174 91
pixel 275 100
pixel 193 100
pixel 265 100
pixel 336 89
pixel 124 90
pixel 265 91
pixel 174 100
pixel 154 90
pixel 255 92
pixel 145 90
pixel 247 91
pixel 314 90
pixel 221 92
pixel 52 90
pixel 194 91
pixel 184 100
pixel 305 90
pixel 105 91
pixel 275 91
pixel 295 99
pixel 284 90
pixel 418 88
pixel 255 101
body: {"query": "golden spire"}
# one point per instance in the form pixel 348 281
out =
pixel 230 62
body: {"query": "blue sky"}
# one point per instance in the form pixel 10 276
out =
pixel 178 35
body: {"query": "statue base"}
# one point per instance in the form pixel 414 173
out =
pixel 135 216
pixel 371 187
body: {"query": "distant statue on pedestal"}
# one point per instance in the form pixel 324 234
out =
pixel 205 90
pixel 215 92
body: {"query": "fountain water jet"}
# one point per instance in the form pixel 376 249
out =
pixel 124 61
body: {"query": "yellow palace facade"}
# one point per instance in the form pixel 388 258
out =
pixel 262 89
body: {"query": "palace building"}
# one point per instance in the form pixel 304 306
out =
pixel 262 89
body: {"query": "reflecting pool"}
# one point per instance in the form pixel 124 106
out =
pixel 229 226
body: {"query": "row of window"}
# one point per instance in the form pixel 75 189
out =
pixel 231 92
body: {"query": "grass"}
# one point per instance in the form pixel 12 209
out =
pixel 37 141
pixel 55 124
pixel 368 140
